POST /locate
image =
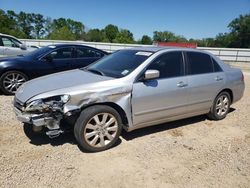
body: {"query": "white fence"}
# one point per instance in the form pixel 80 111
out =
pixel 226 54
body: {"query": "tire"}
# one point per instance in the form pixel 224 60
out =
pixel 98 128
pixel 220 107
pixel 10 81
pixel 28 131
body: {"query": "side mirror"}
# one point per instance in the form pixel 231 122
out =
pixel 23 47
pixel 151 74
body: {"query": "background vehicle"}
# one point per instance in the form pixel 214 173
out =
pixel 11 46
pixel 129 89
pixel 47 60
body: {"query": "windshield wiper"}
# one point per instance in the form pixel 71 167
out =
pixel 95 71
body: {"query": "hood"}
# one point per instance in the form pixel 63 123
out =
pixel 13 58
pixel 57 81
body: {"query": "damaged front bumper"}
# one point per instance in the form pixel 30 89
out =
pixel 37 119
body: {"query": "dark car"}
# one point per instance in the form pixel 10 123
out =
pixel 47 60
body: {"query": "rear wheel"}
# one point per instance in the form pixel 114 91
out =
pixel 220 106
pixel 98 128
pixel 10 81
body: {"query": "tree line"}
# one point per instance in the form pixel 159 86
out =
pixel 36 26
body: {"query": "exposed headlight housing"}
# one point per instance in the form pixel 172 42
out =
pixel 44 105
pixel 36 105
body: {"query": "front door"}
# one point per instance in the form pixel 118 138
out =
pixel 56 61
pixel 162 98
pixel 10 47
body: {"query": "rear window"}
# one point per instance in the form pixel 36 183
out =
pixel 217 67
pixel 199 63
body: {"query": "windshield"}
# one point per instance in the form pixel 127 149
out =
pixel 36 53
pixel 119 64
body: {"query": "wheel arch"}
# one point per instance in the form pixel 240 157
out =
pixel 115 106
pixel 229 91
pixel 15 69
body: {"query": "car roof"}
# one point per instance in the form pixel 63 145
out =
pixel 1 34
pixel 161 48
pixel 73 44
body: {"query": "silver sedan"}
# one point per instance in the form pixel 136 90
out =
pixel 129 89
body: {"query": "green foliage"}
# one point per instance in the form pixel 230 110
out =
pixel 95 35
pixel 124 36
pixel 30 25
pixel 67 26
pixel 62 33
pixel 8 24
pixel 39 24
pixel 146 40
pixel 240 31
pixel 111 31
pixel 167 36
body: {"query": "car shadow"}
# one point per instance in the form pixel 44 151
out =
pixel 165 126
pixel 68 137
pixel 41 138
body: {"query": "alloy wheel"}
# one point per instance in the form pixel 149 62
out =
pixel 222 105
pixel 13 81
pixel 100 130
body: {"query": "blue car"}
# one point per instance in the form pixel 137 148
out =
pixel 47 60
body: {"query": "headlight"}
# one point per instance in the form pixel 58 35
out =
pixel 65 98
pixel 36 105
pixel 43 105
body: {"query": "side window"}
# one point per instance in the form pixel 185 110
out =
pixel 62 53
pixel 9 43
pixel 217 67
pixel 169 65
pixel 199 63
pixel 85 52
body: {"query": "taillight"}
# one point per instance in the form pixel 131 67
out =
pixel 242 77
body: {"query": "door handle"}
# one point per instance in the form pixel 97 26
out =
pixel 181 84
pixel 218 78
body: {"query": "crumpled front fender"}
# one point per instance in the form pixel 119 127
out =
pixel 120 96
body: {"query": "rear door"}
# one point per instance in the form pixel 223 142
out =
pixel 85 56
pixel 205 79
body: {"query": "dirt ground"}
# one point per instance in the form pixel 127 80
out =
pixel 194 152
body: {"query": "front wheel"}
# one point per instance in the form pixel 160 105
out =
pixel 98 128
pixel 220 106
pixel 10 81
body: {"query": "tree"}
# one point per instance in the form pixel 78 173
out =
pixel 223 40
pixel 39 23
pixel 165 36
pixel 8 24
pixel 146 40
pixel 95 35
pixel 124 36
pixel 74 27
pixel 31 25
pixel 25 21
pixel 111 32
pixel 62 33
pixel 240 31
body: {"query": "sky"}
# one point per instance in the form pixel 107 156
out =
pixel 191 18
